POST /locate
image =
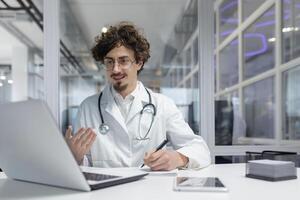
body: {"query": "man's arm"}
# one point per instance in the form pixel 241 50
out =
pixel 190 150
pixel 183 138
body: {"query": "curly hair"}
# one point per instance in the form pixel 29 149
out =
pixel 123 34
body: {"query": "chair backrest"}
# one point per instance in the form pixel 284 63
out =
pixel 223 122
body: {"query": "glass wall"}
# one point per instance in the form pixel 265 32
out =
pixel 291 104
pixel 258 41
pixel 290 78
pixel 80 75
pixel 259 109
pixel 229 69
pixel 257 91
pixel 21 55
pixel 183 72
pixel 228 18
pixel 188 61
pixel 290 30
pixel 250 6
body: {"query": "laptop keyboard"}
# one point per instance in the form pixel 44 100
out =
pixel 97 177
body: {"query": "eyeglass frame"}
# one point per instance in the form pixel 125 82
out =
pixel 109 68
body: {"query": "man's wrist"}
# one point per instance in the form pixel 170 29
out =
pixel 79 160
pixel 183 161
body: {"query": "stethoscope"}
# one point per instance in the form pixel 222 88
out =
pixel 148 108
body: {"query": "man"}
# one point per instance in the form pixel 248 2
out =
pixel 128 121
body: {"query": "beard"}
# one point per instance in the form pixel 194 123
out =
pixel 119 87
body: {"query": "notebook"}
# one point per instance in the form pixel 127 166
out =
pixel 33 149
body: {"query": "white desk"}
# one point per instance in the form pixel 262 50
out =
pixel 160 187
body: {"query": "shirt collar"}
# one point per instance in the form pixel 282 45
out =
pixel 129 97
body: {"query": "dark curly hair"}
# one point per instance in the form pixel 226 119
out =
pixel 126 34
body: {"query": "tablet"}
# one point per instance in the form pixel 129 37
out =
pixel 208 184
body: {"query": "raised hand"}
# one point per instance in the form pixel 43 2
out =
pixel 80 143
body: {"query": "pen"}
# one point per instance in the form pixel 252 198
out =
pixel 159 147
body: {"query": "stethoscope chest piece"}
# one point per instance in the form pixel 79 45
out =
pixel 103 129
pixel 149 108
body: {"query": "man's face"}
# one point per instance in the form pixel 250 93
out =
pixel 123 73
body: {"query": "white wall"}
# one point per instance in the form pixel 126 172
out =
pixel 19 73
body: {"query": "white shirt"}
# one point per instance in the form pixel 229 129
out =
pixel 124 104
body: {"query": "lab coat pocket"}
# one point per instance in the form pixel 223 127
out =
pixel 103 152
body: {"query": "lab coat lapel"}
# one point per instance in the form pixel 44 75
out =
pixel 139 101
pixel 112 109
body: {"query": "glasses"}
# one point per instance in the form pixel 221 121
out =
pixel 123 63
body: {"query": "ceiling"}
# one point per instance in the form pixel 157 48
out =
pixel 82 20
pixel 156 18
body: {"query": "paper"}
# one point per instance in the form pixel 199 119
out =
pixel 159 173
pixel 270 162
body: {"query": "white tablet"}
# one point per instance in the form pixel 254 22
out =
pixel 208 184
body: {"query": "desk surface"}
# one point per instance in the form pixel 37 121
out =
pixel 160 187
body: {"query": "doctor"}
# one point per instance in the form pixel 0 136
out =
pixel 124 124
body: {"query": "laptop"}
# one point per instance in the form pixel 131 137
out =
pixel 33 149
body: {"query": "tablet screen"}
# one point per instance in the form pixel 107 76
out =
pixel 199 182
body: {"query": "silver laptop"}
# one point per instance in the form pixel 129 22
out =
pixel 33 149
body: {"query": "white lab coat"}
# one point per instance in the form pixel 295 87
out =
pixel 119 148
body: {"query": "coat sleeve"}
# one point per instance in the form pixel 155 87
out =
pixel 183 138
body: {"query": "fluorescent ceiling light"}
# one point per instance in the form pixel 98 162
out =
pixel 289 29
pixel 272 39
pixel 2 77
pixel 104 29
pixel 10 81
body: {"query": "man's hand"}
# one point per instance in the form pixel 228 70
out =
pixel 81 142
pixel 165 160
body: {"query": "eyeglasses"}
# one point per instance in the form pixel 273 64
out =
pixel 123 62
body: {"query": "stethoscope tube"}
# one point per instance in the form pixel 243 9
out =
pixel 99 108
pixel 104 128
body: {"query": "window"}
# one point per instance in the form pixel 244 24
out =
pixel 291 104
pixel 188 62
pixel 259 109
pixel 259 45
pixel 195 50
pixel 195 103
pixel 228 18
pixel 256 95
pixel 229 68
pixel 291 30
pixel 21 55
pixel 249 6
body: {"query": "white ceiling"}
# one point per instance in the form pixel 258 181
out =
pixel 155 17
pixel 32 31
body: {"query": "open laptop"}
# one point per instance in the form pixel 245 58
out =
pixel 33 149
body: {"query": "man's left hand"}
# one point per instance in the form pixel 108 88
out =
pixel 165 160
